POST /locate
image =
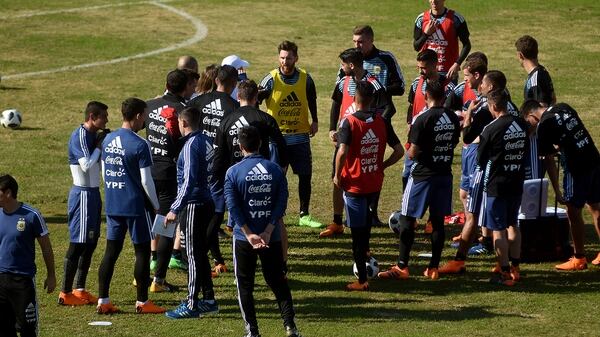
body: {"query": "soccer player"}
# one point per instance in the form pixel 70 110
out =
pixel 164 137
pixel 432 137
pixel 194 209
pixel 539 85
pixel 256 194
pixel 290 94
pixel 129 192
pixel 560 126
pixel 501 152
pixel 342 106
pixel 359 166
pixel 20 226
pixel 84 204
pixel 440 29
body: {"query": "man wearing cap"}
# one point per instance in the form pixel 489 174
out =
pixel 240 65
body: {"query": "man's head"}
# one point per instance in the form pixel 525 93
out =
pixel 134 111
pixel 474 69
pixel 363 36
pixel 527 48
pixel 437 6
pixel 434 94
pixel 427 63
pixel 177 81
pixel 352 61
pixel 288 56
pixel 249 139
pixel 247 92
pixel 226 79
pixel 189 120
pixel 363 95
pixel 192 82
pixel 492 80
pixel 96 116
pixel 497 102
pixel 532 111
pixel 207 83
pixel 187 62
pixel 9 189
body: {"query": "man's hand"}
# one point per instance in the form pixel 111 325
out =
pixel 100 137
pixel 266 237
pixel 333 136
pixel 314 128
pixel 474 105
pixel 336 181
pixel 256 241
pixel 171 217
pixel 453 71
pixel 431 27
pixel 50 283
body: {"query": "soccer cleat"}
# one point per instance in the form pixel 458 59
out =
pixel 182 311
pixel 70 299
pixel 106 309
pixel 394 272
pixel 85 296
pixel 515 273
pixel 152 265
pixel 428 227
pixel 309 221
pixel 453 267
pixel 163 287
pixel 497 269
pixel 596 261
pixel 204 308
pixel 503 279
pixel 479 249
pixel 573 264
pixel 331 230
pixel 431 273
pixel 149 308
pixel 357 286
pixel 292 332
pixel 175 263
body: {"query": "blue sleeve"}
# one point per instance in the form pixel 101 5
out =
pixel 79 146
pixel 234 199
pixel 281 199
pixel 39 224
pixel 191 160
pixel 145 158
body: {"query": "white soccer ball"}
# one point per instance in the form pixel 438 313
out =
pixel 372 268
pixel 11 118
pixel 394 222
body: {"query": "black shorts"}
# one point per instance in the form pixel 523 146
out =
pixel 18 305
pixel 166 191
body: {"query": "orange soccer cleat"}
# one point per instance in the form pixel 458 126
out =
pixel 70 299
pixel 84 295
pixel 107 308
pixel 432 273
pixel 357 286
pixel 573 264
pixel 331 230
pixel 149 308
pixel 596 261
pixel 453 267
pixel 394 272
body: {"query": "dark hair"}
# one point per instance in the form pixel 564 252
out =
pixel 527 46
pixel 206 83
pixel 249 138
pixel 227 75
pixel 247 90
pixel 498 98
pixel 288 46
pixel 95 108
pixel 7 182
pixel 352 55
pixel 476 63
pixel 428 56
pixel 177 81
pixel 528 107
pixel 363 30
pixel 364 92
pixel 131 107
pixel 192 116
pixel 187 62
pixel 435 90
pixel 497 78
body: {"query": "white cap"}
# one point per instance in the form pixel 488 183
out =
pixel 235 61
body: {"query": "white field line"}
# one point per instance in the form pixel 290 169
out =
pixel 200 34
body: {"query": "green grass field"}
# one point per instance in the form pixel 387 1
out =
pixel 545 303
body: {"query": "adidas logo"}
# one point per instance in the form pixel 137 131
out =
pixel 369 138
pixel 214 108
pixel 290 101
pixel 438 38
pixel 514 131
pixel 115 147
pixel 350 110
pixel 444 123
pixel 258 172
pixel 240 123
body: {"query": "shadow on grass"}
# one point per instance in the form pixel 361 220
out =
pixel 3 87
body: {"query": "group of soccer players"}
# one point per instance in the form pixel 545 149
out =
pixel 210 149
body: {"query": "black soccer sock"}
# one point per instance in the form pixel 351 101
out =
pixel 85 260
pixel 176 254
pixel 374 205
pixel 70 265
pixel 141 270
pixel 488 243
pixel 515 261
pixel 163 252
pixel 213 237
pixel 360 244
pixel 437 241
pixel 107 266
pixel 337 219
pixel 505 269
pixel 304 190
pixel 407 238
pixel 154 254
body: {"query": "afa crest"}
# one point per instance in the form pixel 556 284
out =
pixel 21 225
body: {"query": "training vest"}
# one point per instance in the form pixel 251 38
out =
pixel 419 103
pixel 288 104
pixel 444 41
pixel 362 172
pixel 348 107
pixel 468 95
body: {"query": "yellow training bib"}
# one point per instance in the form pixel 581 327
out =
pixel 288 104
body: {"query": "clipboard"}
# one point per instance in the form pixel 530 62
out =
pixel 159 226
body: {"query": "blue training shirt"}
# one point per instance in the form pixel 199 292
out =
pixel 18 231
pixel 193 166
pixel 256 192
pixel 124 154
pixel 81 144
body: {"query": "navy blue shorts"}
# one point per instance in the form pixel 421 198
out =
pixel 84 208
pixel 468 165
pixel 300 158
pixel 501 212
pixel 408 164
pixel 434 193
pixel 358 212
pixel 140 227
pixel 582 189
pixel 475 192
